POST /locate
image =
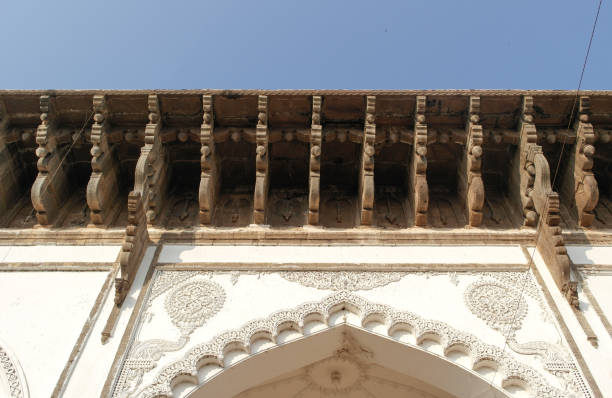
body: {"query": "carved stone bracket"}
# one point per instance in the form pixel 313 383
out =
pixel 209 179
pixel 314 178
pixel 366 178
pixel 50 189
pixel 133 248
pixel 103 186
pixel 471 186
pixel 539 199
pixel 418 167
pixel 261 162
pixel 586 191
pixel 151 175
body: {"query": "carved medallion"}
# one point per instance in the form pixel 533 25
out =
pixel 343 280
pixel 192 303
pixel 499 306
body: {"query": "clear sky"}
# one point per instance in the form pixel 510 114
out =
pixel 310 44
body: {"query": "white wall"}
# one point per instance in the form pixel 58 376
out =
pixel 41 317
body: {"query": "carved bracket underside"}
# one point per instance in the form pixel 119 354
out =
pixel 209 178
pixel 103 186
pixel 314 178
pixel 419 197
pixel 261 162
pixel 471 186
pixel 366 178
pixel 586 190
pixel 50 189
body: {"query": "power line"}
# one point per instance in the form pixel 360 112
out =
pixel 539 226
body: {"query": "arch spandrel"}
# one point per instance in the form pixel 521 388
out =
pixel 455 352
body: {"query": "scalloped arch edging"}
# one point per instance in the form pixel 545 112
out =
pixel 451 340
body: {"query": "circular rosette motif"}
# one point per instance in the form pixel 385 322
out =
pixel 501 307
pixel 191 304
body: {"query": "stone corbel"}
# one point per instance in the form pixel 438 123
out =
pixel 419 197
pixel 314 179
pixel 151 175
pixel 103 186
pixel 50 189
pixel 209 178
pixel 261 162
pixel 586 191
pixel 471 186
pixel 366 177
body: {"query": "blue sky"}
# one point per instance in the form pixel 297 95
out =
pixel 333 44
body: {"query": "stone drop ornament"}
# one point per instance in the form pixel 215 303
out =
pixel 192 303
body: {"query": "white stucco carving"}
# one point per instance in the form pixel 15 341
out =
pixel 479 352
pixel 343 280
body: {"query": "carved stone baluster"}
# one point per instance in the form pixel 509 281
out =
pixel 103 186
pixel 586 191
pixel 209 179
pixel 261 162
pixel 366 177
pixel 151 174
pixel 418 168
pixel 471 186
pixel 314 180
pixel 50 188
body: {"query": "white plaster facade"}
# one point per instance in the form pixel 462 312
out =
pixel 253 321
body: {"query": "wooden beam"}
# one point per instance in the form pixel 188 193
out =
pixel 314 177
pixel 103 185
pixel 419 198
pixel 261 162
pixel 366 173
pixel 209 178
pixel 471 186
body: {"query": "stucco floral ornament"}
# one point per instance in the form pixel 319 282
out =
pixel 341 280
pixel 502 308
pixel 192 303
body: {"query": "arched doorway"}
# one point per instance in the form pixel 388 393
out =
pixel 347 362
